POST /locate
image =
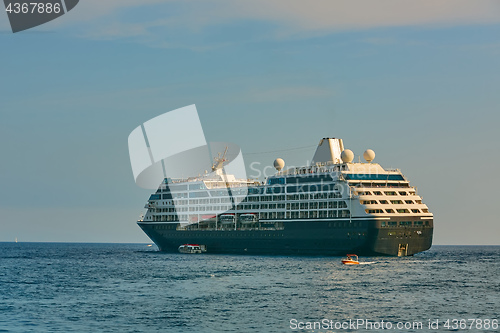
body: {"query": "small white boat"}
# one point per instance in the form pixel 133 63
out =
pixel 192 248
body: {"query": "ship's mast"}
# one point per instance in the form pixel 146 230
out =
pixel 219 161
pixel 218 168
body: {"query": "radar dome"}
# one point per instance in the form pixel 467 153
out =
pixel 279 164
pixel 347 156
pixel 369 155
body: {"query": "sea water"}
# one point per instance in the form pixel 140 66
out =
pixel 56 287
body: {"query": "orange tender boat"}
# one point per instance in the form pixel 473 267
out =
pixel 352 259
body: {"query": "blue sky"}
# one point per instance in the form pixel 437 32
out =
pixel 415 81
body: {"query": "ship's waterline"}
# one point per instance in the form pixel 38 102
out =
pixel 331 207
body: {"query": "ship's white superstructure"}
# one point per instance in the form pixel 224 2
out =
pixel 332 190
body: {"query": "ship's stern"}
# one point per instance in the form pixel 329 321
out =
pixel 398 237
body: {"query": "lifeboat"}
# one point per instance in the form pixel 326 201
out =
pixel 192 248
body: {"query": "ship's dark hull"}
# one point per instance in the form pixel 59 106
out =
pixel 313 237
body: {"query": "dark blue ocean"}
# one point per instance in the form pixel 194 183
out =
pixel 54 287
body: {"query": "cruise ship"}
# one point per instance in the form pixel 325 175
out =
pixel 332 207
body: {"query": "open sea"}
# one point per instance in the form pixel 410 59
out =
pixel 58 287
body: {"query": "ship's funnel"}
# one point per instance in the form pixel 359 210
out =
pixel 328 151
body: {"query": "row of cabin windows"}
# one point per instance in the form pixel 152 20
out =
pixel 288 206
pixel 177 190
pixel 331 225
pixel 203 194
pixel 261 206
pixel 394 202
pixel 227 200
pixel 164 210
pixel 404 223
pixel 317 214
pixel 254 198
pixel 279 190
pixel 302 196
pixel 200 208
pixel 316 205
pixel 402 193
pixel 280 225
pixel 282 197
pixel 206 208
pixel 274 215
pixel 263 198
pixel 389 185
pixel 392 211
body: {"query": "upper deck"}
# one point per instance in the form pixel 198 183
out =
pixel 327 189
